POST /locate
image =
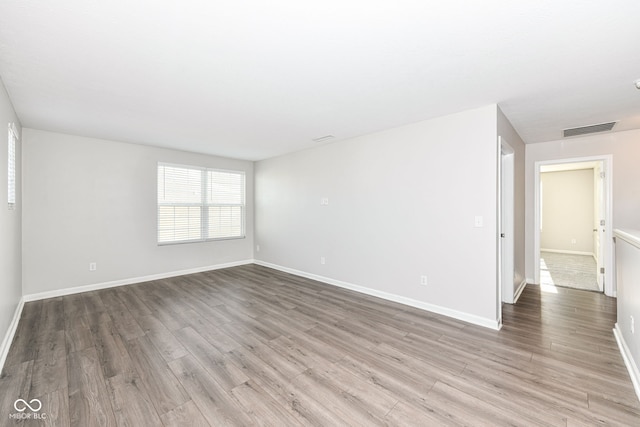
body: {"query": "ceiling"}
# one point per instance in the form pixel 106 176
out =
pixel 255 79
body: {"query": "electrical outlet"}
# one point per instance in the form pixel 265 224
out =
pixel 324 201
pixel 423 280
pixel 573 241
pixel 93 266
pixel 323 261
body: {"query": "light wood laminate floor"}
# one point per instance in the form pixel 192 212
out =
pixel 253 346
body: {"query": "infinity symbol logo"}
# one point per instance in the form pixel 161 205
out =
pixel 26 405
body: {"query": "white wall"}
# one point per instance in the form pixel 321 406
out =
pixel 567 211
pixel 625 149
pixel 89 200
pixel 402 204
pixel 10 224
pixel 627 249
pixel 506 131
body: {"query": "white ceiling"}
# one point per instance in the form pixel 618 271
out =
pixel 254 79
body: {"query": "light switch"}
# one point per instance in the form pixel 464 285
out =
pixel 479 221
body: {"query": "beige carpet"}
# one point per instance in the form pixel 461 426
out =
pixel 572 271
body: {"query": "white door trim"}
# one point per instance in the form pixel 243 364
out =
pixel 607 162
pixel 506 221
pixel 498 225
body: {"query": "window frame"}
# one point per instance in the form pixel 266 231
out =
pixel 203 204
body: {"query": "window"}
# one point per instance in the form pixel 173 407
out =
pixel 198 204
pixel 11 166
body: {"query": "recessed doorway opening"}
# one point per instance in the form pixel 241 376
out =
pixel 573 242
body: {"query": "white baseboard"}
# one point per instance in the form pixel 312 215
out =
pixel 8 338
pixel 562 251
pixel 129 281
pixel 519 291
pixel 631 365
pixel 466 317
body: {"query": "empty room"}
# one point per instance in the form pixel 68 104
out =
pixel 319 213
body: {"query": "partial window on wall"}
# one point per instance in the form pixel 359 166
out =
pixel 11 166
pixel 199 204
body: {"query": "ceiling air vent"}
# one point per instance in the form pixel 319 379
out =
pixel 602 127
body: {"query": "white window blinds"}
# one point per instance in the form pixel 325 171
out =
pixel 225 204
pixel 196 204
pixel 11 166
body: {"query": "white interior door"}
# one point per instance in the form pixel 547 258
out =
pixel 506 221
pixel 599 225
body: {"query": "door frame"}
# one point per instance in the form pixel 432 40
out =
pixel 599 182
pixel 607 245
pixel 506 222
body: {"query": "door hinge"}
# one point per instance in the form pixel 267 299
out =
pixel 602 175
pixel 601 270
pixel 602 222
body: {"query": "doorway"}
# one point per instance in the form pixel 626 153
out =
pixel 573 241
